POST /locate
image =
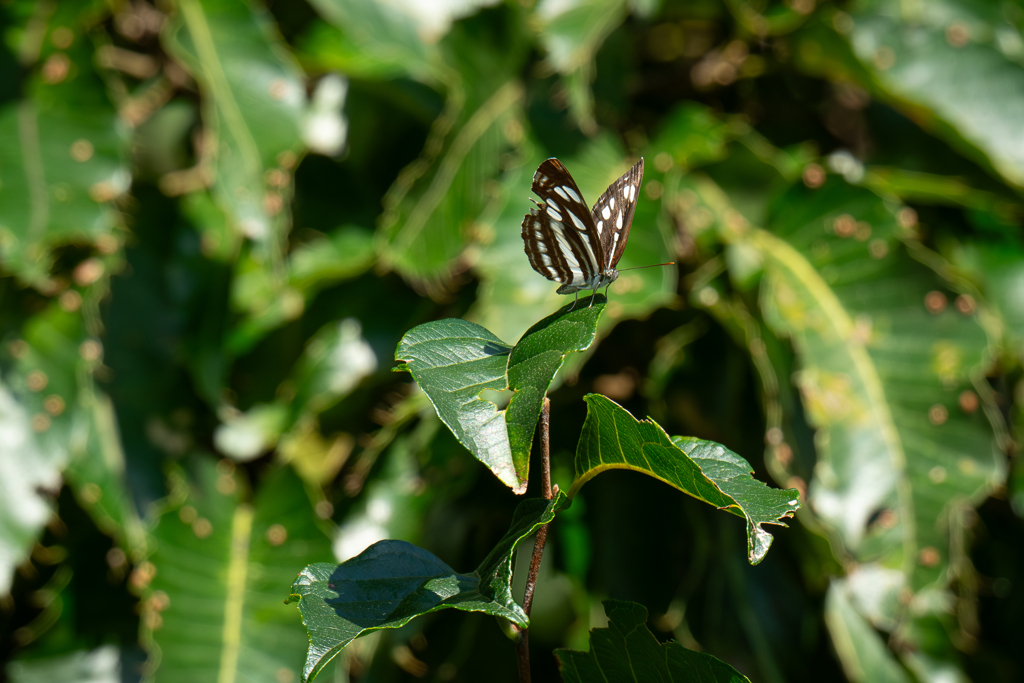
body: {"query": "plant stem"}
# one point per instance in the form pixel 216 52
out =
pixel 523 646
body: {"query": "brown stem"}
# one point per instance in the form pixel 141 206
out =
pixel 523 646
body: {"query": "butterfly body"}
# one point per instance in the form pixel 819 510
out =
pixel 568 242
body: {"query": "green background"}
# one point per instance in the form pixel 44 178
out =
pixel 218 218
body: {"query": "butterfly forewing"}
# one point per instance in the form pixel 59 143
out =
pixel 613 214
pixel 561 239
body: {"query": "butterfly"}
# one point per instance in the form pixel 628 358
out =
pixel 568 243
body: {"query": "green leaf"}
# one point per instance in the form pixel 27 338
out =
pixel 220 564
pixel 881 374
pixel 254 100
pixel 627 651
pixel 392 582
pixel 863 653
pixel 614 439
pixel 453 361
pixel 63 151
pixel 959 62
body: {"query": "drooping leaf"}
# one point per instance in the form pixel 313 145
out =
pixel 453 361
pixel 627 651
pixel 614 439
pixel 219 566
pixel 392 582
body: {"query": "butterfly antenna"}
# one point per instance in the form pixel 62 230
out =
pixel 653 265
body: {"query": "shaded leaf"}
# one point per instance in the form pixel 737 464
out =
pixel 627 651
pixel 453 361
pixel 392 582
pixel 614 439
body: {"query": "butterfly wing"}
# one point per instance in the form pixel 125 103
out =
pixel 612 214
pixel 561 239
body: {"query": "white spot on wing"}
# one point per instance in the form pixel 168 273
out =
pixel 629 192
pixel 574 195
pixel 611 203
pixel 560 191
pixel 606 212
pixel 553 212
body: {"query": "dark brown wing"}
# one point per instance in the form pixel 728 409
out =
pixel 561 239
pixel 612 214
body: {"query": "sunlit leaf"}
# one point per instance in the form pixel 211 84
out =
pixel 614 439
pixel 453 361
pixel 392 582
pixel 627 651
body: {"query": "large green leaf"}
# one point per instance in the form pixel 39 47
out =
pixel 63 149
pixel 220 565
pixel 253 102
pixel 880 375
pixel 614 439
pixel 957 61
pixel 393 582
pixel 627 651
pixel 453 361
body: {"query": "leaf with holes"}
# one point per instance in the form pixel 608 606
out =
pixel 392 582
pixel 886 352
pixel 614 439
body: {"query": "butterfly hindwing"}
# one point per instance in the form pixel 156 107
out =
pixel 561 239
pixel 613 213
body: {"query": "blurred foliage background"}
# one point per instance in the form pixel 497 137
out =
pixel 217 219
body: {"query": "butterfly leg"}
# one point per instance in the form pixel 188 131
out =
pixel 574 302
